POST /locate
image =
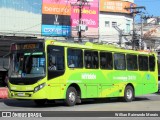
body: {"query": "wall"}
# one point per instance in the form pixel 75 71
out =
pixel 20 17
pixel 114 12
pixel 109 33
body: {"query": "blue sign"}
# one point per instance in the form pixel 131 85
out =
pixel 56 30
pixel 148 77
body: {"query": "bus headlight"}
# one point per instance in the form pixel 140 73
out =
pixel 39 87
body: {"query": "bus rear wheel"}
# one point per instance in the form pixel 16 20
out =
pixel 71 96
pixel 128 94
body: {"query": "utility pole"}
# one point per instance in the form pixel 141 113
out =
pixel 135 11
pixel 141 39
pixel 81 3
pixel 80 21
pixel 133 34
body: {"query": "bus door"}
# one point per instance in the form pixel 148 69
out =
pixel 91 75
pixel 56 69
pixel 120 76
pixel 106 65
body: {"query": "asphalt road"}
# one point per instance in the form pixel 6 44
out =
pixel 149 102
pixel 144 103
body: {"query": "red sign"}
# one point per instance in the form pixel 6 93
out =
pixel 3 92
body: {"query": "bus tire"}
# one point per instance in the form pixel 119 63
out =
pixel 40 102
pixel 128 94
pixel 71 96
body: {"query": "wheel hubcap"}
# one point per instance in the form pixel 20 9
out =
pixel 129 94
pixel 72 97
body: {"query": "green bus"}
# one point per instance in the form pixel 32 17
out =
pixel 51 70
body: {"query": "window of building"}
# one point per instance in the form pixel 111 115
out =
pixel 107 24
pixel 91 59
pixel 106 60
pixel 119 61
pixel 132 62
pixel 75 58
pixel 128 26
pixel 114 24
pixel 143 63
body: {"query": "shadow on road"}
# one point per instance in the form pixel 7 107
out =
pixel 112 100
pixel 31 104
pixel 157 93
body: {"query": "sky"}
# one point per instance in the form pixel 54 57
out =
pixel 152 7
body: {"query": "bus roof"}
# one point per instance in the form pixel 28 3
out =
pixel 96 46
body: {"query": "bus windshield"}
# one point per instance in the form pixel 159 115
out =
pixel 27 65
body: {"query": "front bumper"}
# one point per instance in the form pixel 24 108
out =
pixel 27 92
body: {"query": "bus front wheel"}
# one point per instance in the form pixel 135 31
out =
pixel 128 94
pixel 71 96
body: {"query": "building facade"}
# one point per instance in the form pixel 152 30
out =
pixel 151 33
pixel 116 22
pixel 24 18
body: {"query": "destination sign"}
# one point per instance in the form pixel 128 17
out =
pixel 27 46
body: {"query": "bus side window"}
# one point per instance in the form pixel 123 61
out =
pixel 87 61
pixel 95 60
pixel 103 61
pixel 152 63
pixel 119 61
pixel 74 58
pixel 87 56
pixel 143 63
pixel 131 62
pixel 91 59
pixel 106 60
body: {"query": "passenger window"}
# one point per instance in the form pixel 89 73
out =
pixel 152 63
pixel 119 61
pixel 106 61
pixel 91 59
pixel 132 62
pixel 143 63
pixel 75 58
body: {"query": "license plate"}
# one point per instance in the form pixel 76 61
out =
pixel 21 94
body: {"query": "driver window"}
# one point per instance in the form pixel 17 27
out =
pixel 55 61
pixel 52 63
